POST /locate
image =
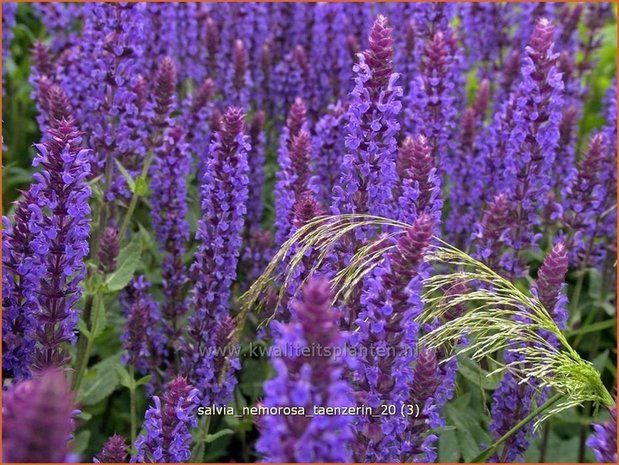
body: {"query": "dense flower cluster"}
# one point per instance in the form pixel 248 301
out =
pixel 224 199
pixel 167 423
pixel 37 419
pixel 309 373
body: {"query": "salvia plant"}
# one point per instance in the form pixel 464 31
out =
pixel 309 232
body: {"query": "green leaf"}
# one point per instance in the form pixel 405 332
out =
pixel 80 442
pixel 99 381
pixel 128 262
pixel 124 377
pixel 478 376
pixel 143 380
pixel 469 431
pixel 448 448
pixel 126 175
pixel 141 186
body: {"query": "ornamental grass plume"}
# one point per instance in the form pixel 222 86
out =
pixel 309 366
pixel 513 400
pixel 38 419
pixel 224 194
pixel 168 423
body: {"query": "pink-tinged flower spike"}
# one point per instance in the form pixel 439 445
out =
pixel 212 47
pixel 419 188
pixel 292 179
pixel 168 423
pixel 588 199
pixel 19 302
pixel 114 451
pixel 37 419
pixel 220 231
pixel 142 337
pixel 497 217
pixel 238 81
pixel 164 92
pixel 109 250
pixel 603 441
pixel 386 335
pixel 368 169
pixel 169 207
pixel 60 228
pixel 196 118
pixel 550 283
pixel 309 371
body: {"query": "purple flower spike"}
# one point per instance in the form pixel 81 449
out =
pixel 368 169
pixel 238 81
pixel 142 337
pixel 60 228
pixel 224 199
pixel 603 441
pixel 168 422
pixel 19 298
pixel 164 92
pixel 114 451
pixel 169 201
pixel 37 419
pixel 309 365
pixel 387 332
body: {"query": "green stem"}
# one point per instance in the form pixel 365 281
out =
pixel 544 445
pixel 485 455
pixel 134 197
pixel 91 314
pixel 133 406
pixel 199 450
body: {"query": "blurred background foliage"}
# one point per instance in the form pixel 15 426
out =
pixel 593 331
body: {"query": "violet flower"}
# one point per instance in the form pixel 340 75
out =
pixel 19 292
pixel 387 331
pixel 329 151
pixel 368 168
pixel 60 227
pixel 37 419
pixel 224 199
pixel 238 81
pixel 109 250
pixel 309 368
pixel 419 187
pixel 169 206
pixel 141 338
pixel 167 423
pixel 603 441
